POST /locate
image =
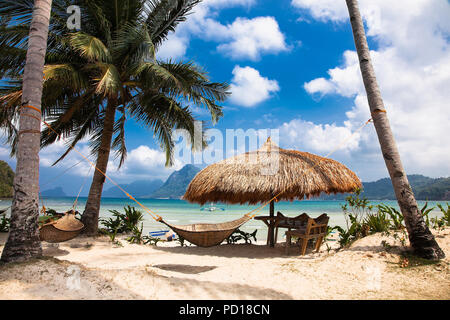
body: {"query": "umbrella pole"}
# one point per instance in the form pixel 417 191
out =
pixel 272 223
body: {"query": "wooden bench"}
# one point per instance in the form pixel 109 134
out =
pixel 314 229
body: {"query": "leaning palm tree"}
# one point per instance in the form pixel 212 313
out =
pixel 106 73
pixel 23 240
pixel 420 237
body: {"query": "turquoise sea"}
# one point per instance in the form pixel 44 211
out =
pixel 182 212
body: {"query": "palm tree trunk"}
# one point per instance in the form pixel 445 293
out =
pixel 421 239
pixel 23 240
pixel 92 209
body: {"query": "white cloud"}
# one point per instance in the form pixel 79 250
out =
pixel 319 85
pixel 249 88
pixel 323 138
pixel 412 64
pixel 323 9
pixel 142 162
pixel 228 3
pixel 242 39
pixel 249 38
pixel 173 48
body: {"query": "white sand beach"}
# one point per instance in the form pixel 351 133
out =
pixel 363 271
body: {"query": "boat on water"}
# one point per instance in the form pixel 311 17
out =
pixel 211 208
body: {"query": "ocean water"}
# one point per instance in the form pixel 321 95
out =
pixel 181 212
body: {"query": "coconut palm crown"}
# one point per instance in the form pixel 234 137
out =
pixel 105 73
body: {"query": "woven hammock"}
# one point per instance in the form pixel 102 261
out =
pixel 207 234
pixel 63 229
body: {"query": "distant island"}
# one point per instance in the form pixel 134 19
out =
pixel 139 189
pixel 177 183
pixel 56 192
pixel 174 187
pixel 425 188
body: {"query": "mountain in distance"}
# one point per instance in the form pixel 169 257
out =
pixel 6 180
pixel 56 192
pixel 424 188
pixel 139 189
pixel 177 183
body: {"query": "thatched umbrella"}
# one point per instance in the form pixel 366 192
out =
pixel 258 176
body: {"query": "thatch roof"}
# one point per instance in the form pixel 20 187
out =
pixel 257 176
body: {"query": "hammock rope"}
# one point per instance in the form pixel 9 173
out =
pixel 189 229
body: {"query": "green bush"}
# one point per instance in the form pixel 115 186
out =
pixel 113 225
pixel 241 235
pixel 136 235
pixel 426 213
pixel 123 222
pixel 446 214
pixel 132 218
pixel 362 221
pixel 378 222
pixel 396 216
pixel 4 224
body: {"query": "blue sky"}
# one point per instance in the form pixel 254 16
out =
pixel 292 67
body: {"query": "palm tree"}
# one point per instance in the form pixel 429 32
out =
pixel 23 240
pixel 106 73
pixel 421 239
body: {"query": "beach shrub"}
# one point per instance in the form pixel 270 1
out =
pixel 132 218
pixel 345 237
pixel 356 208
pixel 136 235
pixel 122 222
pixel 151 240
pixel 396 217
pixel 446 214
pixel 361 220
pixel 426 213
pixel 378 222
pixel 111 229
pixel 112 225
pixel 4 224
pixel 238 235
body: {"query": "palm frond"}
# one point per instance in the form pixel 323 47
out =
pixel 165 15
pixel 90 47
pixel 118 143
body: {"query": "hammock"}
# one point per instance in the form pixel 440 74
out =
pixel 63 229
pixel 207 234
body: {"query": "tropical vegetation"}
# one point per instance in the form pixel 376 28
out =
pixel 363 218
pixel 6 180
pixel 99 77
